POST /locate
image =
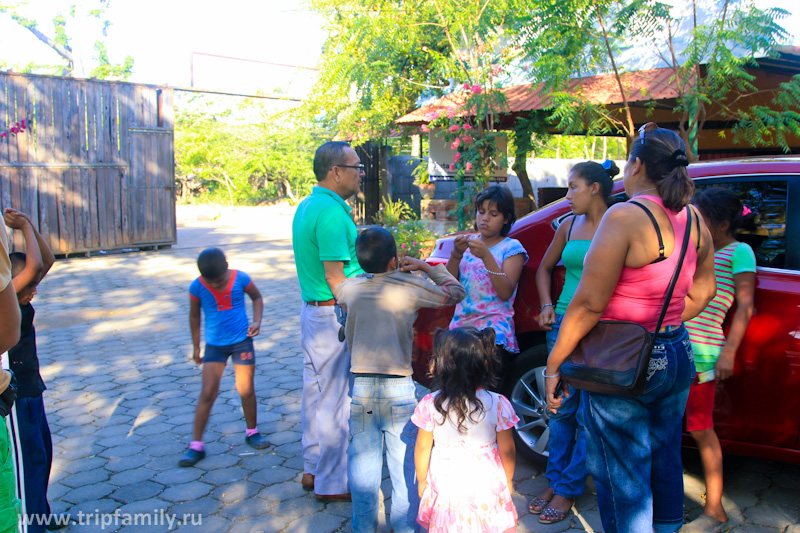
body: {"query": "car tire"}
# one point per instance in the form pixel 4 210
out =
pixel 525 391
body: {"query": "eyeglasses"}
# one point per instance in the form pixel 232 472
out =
pixel 647 128
pixel 357 167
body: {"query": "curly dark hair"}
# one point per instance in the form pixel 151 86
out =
pixel 464 360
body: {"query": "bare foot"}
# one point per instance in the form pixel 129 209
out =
pixel 560 503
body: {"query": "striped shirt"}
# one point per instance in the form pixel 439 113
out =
pixel 705 330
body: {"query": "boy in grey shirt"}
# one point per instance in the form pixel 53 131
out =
pixel 382 306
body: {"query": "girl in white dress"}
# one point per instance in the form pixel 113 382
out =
pixel 465 452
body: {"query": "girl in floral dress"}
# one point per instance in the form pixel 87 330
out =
pixel 465 453
pixel 489 266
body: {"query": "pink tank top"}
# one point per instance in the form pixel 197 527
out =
pixel 639 294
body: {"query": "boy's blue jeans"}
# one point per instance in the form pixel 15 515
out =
pixel 634 444
pixel 380 413
pixel 566 466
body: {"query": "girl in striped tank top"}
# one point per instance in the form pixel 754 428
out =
pixel 735 267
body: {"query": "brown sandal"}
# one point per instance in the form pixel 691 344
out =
pixel 551 515
pixel 538 505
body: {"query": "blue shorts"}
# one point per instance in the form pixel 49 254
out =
pixel 241 353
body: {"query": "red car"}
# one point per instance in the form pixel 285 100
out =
pixel 757 410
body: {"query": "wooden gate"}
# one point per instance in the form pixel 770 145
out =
pixel 94 166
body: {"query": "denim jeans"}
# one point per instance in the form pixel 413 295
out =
pixel 566 466
pixel 634 444
pixel 380 413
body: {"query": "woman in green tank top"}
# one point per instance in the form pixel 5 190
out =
pixel 589 186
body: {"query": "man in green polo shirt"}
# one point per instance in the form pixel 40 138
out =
pixel 323 238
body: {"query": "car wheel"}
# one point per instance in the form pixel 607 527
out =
pixel 526 393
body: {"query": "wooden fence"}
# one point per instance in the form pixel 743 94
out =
pixel 94 167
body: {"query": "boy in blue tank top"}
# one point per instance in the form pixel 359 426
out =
pixel 219 293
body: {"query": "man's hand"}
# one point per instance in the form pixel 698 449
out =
pixel 412 264
pixel 253 329
pixel 196 355
pixel 14 219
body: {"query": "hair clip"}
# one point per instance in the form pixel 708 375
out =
pixel 746 210
pixel 607 164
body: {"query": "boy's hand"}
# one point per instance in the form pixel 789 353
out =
pixel 411 264
pixel 196 355
pixel 15 219
pixel 253 329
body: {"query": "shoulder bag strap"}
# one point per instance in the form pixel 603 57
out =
pixel 675 274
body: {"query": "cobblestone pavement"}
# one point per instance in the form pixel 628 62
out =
pixel 114 343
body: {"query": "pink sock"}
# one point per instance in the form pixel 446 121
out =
pixel 251 432
pixel 196 445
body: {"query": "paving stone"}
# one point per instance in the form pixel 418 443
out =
pixel 138 491
pixel 771 516
pixel 278 492
pixel 86 477
pixel 233 492
pixel 225 476
pixel 129 477
pixel 283 437
pixel 215 524
pixel 273 474
pixel 94 491
pixel 186 491
pixel 178 475
pixel 317 523
pixel 243 509
pixel 126 463
pixel 213 462
pixel 205 506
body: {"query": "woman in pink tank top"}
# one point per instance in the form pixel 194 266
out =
pixel 633 449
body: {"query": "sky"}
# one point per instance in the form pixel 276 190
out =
pixel 162 35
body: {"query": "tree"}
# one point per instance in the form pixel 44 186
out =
pixel 713 71
pixel 59 41
pixel 243 158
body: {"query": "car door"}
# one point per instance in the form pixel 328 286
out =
pixel 760 405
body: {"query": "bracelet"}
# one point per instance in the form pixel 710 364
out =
pixel 544 373
pixel 495 273
pixel 546 305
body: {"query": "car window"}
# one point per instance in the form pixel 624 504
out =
pixel 768 200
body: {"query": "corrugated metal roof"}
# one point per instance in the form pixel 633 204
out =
pixel 643 85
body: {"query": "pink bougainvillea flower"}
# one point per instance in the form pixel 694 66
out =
pixel 468 166
pixel 435 115
pixel 414 243
pixel 452 166
pixel 451 112
pixel 457 157
pixel 403 246
pixel 14 130
pixel 476 89
pixel 466 138
pixel 466 86
pixel 425 128
pixel 454 144
pixel 453 128
pixel 4 134
pixel 466 127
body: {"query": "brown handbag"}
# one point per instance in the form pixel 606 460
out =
pixel 613 357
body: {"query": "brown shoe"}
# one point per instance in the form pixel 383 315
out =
pixel 308 482
pixel 333 497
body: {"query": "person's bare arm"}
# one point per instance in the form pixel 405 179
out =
pixel 422 458
pixel 9 310
pixel 334 273
pixel 194 326
pixel 32 271
pixel 504 277
pixel 44 249
pixel 544 276
pixel 745 283
pixel 508 455
pixel 258 309
pixel 459 247
pixel 704 283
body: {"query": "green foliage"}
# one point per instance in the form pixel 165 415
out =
pixel 412 236
pixel 383 55
pixel 221 159
pixel 392 213
pixel 105 69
